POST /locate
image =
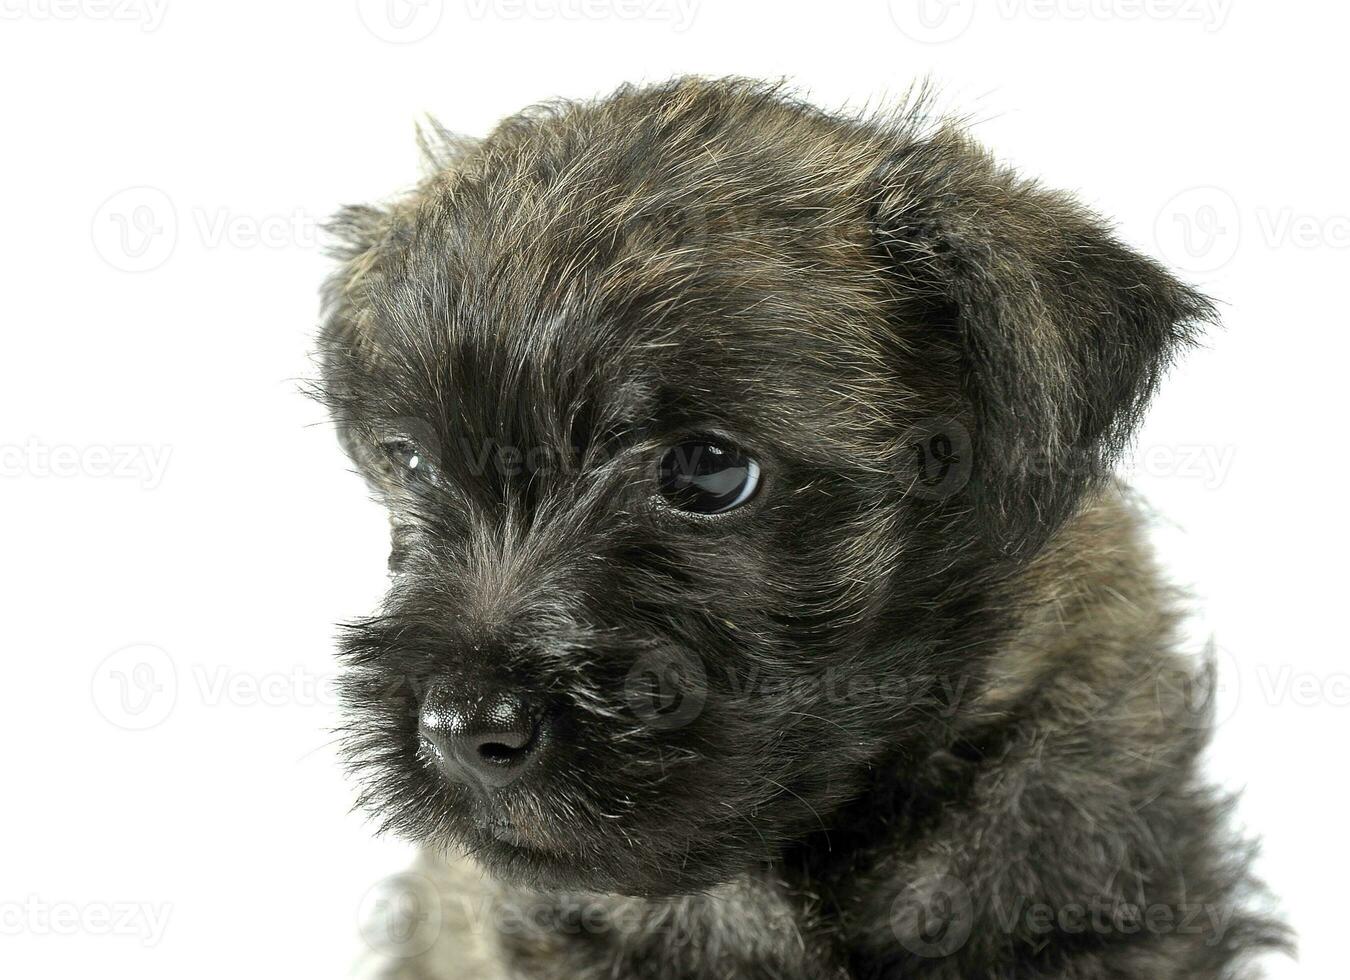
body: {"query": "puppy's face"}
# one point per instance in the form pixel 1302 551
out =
pixel 690 419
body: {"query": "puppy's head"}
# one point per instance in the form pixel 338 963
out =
pixel 708 425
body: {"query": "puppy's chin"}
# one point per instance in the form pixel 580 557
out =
pixel 548 855
pixel 517 863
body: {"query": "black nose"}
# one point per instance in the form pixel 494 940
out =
pixel 478 737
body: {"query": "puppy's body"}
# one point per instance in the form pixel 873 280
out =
pixel 935 363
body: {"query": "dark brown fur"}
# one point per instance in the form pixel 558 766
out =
pixel 938 363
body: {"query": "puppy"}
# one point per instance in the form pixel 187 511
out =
pixel 762 601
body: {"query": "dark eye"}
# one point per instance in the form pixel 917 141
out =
pixel 407 459
pixel 704 477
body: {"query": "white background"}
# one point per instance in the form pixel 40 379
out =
pixel 167 489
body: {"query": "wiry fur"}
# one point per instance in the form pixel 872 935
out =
pixel 901 682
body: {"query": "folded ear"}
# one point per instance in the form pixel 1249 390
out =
pixel 370 245
pixel 345 347
pixel 1062 331
pixel 370 241
pixel 360 236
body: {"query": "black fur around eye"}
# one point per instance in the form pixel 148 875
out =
pixel 704 477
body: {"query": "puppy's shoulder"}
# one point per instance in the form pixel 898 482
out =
pixel 1095 612
pixel 435 921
